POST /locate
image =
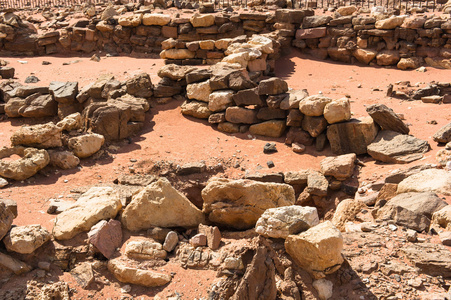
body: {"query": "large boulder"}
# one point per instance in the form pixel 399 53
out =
pixel 140 86
pixel 413 210
pixel 337 111
pixel 314 105
pixel 38 106
pixel 63 92
pixel 31 161
pixel 40 136
pixel 386 118
pixel 341 167
pixel 98 203
pixel 317 250
pixel 272 128
pixel 6 219
pixel 393 147
pixel 26 239
pixel 272 86
pixel 159 204
pixel 196 109
pixel 239 203
pixel 443 135
pixel 430 180
pixel 199 91
pixel 280 222
pixel 86 145
pixel 353 136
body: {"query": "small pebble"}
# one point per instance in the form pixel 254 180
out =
pixel 270 164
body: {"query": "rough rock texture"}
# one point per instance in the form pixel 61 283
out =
pixel 63 92
pixel 314 105
pixel 13 264
pixel 239 203
pixel 196 109
pixel 26 239
pixel 213 235
pixel 40 136
pixel 272 128
pixel 86 145
pixel 317 250
pixel 6 219
pixel 413 210
pixel 393 147
pixel 140 86
pixel 442 218
pixel 431 259
pixel 106 237
pixel 317 184
pixel 443 135
pixel 144 249
pixel 280 222
pixel 32 160
pixel 340 167
pixel 337 111
pixel 346 211
pixel 98 203
pixel 129 274
pixel 63 159
pixel 159 204
pixel 430 180
pixel 386 118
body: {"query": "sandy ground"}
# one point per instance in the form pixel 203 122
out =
pixel 170 136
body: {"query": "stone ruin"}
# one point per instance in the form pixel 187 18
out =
pixel 287 247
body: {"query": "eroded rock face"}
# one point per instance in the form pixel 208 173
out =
pixel 159 204
pixel 32 160
pixel 40 136
pixel 280 222
pixel 317 250
pixel 239 203
pixel 98 203
pixel 26 239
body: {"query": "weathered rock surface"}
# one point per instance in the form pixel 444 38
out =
pixel 86 145
pixel 196 109
pixel 271 128
pixel 340 167
pixel 443 135
pixel 347 211
pixel 317 184
pixel 386 118
pixel 13 264
pixel 430 180
pixel 393 147
pixel 146 249
pixel 6 219
pixel 317 250
pixel 441 219
pixel 314 105
pixel 32 160
pixel 106 237
pixel 98 203
pixel 337 111
pixel 63 159
pixel 26 239
pixel 431 259
pixel 239 203
pixel 63 92
pixel 280 222
pixel 159 204
pixel 40 136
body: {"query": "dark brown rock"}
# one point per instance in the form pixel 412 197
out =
pixel 386 118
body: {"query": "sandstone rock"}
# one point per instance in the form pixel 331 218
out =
pixel 6 219
pixel 386 118
pixel 337 111
pixel 347 211
pixel 86 145
pixel 95 90
pixel 13 106
pixel 311 33
pixel 430 180
pixel 129 274
pixel 315 21
pixel 63 159
pixel 431 259
pixel 40 136
pixel 156 19
pixel 314 105
pixel 280 222
pixel 272 128
pixel 387 57
pixel 393 147
pixel 353 136
pixel 340 167
pixel 240 58
pixel 106 237
pixel 159 204
pixel 177 54
pixel 98 203
pixel 63 92
pixel 443 157
pixel 16 266
pixel 171 241
pixel 26 239
pixel 175 72
pixel 196 109
pixel 409 63
pixel 297 135
pixel 108 13
pixel 145 249
pixel 293 99
pixel 364 55
pixel 202 20
pixel 272 86
pixel 32 160
pixel 213 235
pixel 248 97
pixel 314 125
pixel 443 135
pixel 317 184
pixel 441 219
pixel 199 91
pixel 413 210
pixel 140 86
pixel 241 115
pixel 346 11
pixel 132 20
pixel 239 203
pixel 220 100
pixel 199 240
pixel 71 122
pixel 324 288
pixel 38 106
pixel 317 250
pixel 390 23
pixel 83 274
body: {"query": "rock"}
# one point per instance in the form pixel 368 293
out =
pixel 323 286
pixel 140 86
pixel 197 75
pixel 159 204
pixel 441 219
pixel 7 72
pixel 314 105
pixel 63 92
pixel 413 210
pixel 241 58
pixel 98 203
pixel 40 136
pixel 314 125
pixel 340 167
pixel 83 274
pixel 156 19
pixel 296 177
pixel 157 233
pixel 297 135
pixel 38 106
pixel 196 109
pixel 387 57
pixel 26 239
pixel 248 97
pixel 31 161
pixel 430 180
pixel 106 237
pixel 269 148
pixel 191 168
pixel 63 159
pixel 213 235
pixel 6 219
pixel 346 211
pixel 145 249
pixel 386 118
pixel 177 54
pixel 317 184
pixel 351 137
pixel 241 115
pixel 129 274
pixel 11 205
pixel 297 148
pixel 406 63
pixel 272 86
pixel 364 56
pixel 443 135
pixel 317 250
pixel 175 72
pixel 293 99
pixel 398 175
pixel 86 145
pixel 171 241
pixel 337 111
pixel 13 106
pixel 199 240
pixel 239 203
pixel 445 238
pixel 199 91
pixel 311 33
pixel 132 20
pixel 390 23
pixel 393 147
pixel 220 100
pixel 202 20
pixel 280 222
pixel 272 128
pixel 315 21
pixel 71 122
pixel 13 264
pixel 431 259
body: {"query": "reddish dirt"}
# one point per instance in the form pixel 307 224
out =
pixel 170 136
